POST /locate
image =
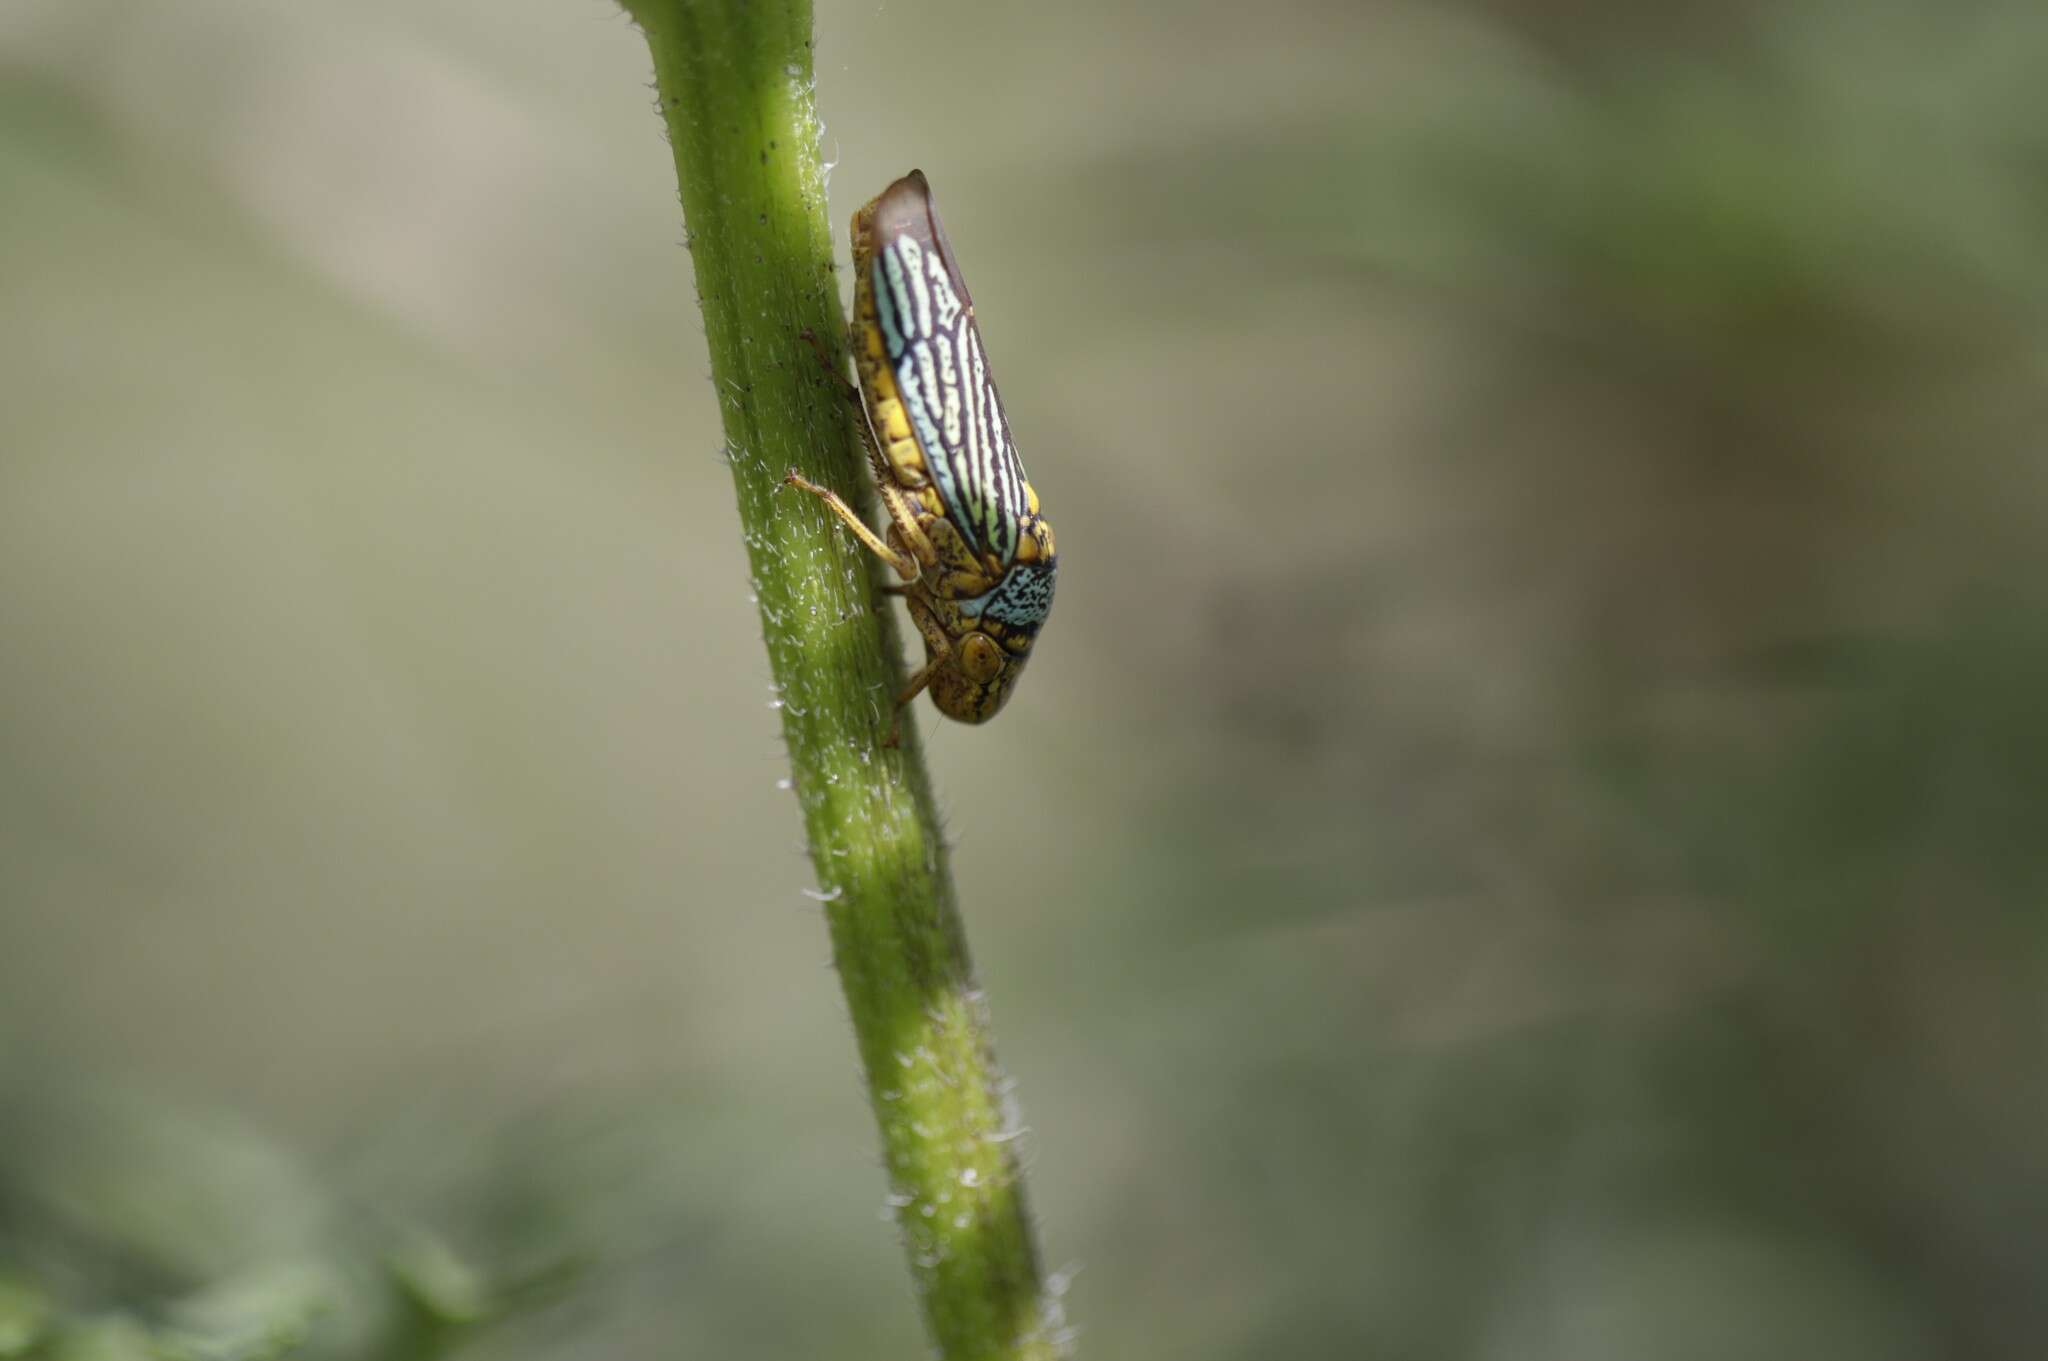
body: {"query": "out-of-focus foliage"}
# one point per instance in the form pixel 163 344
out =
pixel 131 1228
pixel 1523 838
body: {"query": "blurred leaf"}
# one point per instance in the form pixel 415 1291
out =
pixel 25 1314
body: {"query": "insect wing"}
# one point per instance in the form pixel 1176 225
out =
pixel 927 319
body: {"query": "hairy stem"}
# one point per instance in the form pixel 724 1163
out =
pixel 734 79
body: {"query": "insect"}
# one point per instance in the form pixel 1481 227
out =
pixel 964 531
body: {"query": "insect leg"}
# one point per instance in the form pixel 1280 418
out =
pixel 832 371
pixel 906 564
pixel 851 392
pixel 904 513
pixel 893 499
pixel 919 679
pixel 938 651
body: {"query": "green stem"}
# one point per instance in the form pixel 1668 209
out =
pixel 734 78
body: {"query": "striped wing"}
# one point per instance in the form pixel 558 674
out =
pixel 942 374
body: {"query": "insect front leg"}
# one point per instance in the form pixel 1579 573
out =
pixel 938 649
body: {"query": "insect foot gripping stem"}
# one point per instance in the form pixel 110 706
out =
pixel 905 565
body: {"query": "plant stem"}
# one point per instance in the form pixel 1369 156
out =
pixel 734 79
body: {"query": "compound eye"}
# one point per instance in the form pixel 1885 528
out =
pixel 980 657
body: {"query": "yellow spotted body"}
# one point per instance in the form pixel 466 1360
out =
pixel 965 531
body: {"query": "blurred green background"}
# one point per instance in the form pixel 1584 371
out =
pixel 1523 839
